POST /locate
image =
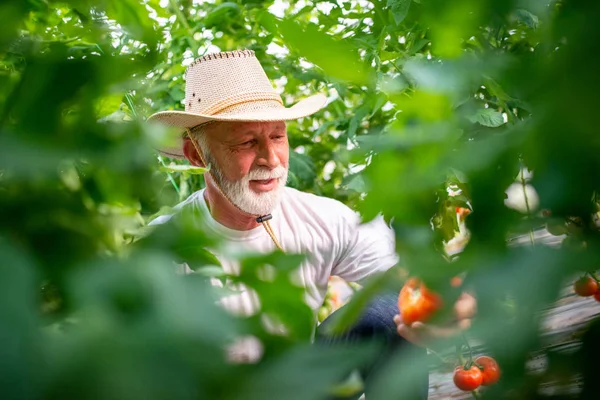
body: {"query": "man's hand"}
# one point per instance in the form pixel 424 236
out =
pixel 422 334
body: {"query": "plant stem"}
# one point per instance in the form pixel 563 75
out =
pixel 169 175
pixel 468 347
pixel 435 353
pixel 476 394
pixel 524 185
pixel 459 355
pixel 130 104
pixel 183 21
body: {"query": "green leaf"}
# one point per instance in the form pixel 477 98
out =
pixel 353 385
pixel 109 104
pixel 359 114
pixel 220 12
pixel 399 9
pixel 190 169
pixel 200 259
pixel 322 366
pixel 211 271
pixel 338 58
pixel 527 18
pixel 355 182
pixel 134 18
pixel 488 117
pixel 387 55
pixel 302 168
pixel 176 93
pixel 347 315
pixel 379 100
pixel 418 45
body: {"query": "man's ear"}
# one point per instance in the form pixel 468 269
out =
pixel 191 154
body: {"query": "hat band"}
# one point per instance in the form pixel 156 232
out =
pixel 241 98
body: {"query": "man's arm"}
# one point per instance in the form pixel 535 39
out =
pixel 370 249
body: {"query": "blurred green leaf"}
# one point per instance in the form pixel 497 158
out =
pixel 190 169
pixel 219 12
pixel 527 18
pixel 301 169
pixel 488 117
pixel 399 9
pixel 338 59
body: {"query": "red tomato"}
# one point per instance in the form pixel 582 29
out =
pixel 597 296
pixel 490 371
pixel 468 379
pixel 586 286
pixel 416 302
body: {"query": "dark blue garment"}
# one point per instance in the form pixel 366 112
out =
pixel 377 324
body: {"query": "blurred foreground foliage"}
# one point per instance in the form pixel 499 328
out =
pixel 433 105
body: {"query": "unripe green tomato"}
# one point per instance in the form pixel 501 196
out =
pixel 323 313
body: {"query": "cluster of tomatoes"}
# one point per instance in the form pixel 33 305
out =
pixel 417 303
pixel 484 371
pixel 587 286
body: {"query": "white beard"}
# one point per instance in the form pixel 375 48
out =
pixel 247 200
pixel 240 194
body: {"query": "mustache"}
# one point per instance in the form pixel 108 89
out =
pixel 265 173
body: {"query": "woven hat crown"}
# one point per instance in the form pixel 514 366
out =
pixel 228 82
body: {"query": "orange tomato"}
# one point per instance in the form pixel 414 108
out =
pixel 416 302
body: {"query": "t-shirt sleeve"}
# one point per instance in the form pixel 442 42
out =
pixel 366 249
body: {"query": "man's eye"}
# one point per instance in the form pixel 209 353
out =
pixel 248 143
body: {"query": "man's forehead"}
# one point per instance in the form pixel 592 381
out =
pixel 231 129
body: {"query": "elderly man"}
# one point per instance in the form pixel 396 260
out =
pixel 234 123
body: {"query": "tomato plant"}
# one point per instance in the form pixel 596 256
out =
pixel 440 106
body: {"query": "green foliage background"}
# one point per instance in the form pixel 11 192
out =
pixel 424 95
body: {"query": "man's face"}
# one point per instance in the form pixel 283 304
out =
pixel 249 161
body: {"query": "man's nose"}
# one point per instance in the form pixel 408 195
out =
pixel 267 156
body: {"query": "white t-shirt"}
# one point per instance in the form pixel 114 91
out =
pixel 325 230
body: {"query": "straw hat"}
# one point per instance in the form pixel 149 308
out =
pixel 231 86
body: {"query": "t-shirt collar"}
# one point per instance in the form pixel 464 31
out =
pixel 222 230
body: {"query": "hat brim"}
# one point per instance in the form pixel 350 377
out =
pixel 185 120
